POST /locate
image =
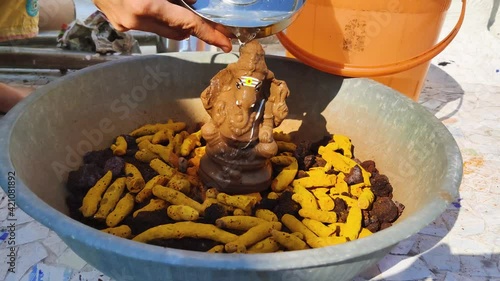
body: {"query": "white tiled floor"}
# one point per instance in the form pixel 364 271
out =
pixel 462 244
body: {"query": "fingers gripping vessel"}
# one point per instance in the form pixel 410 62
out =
pixel 245 102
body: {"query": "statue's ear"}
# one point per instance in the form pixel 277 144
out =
pixel 206 98
pixel 219 82
pixel 219 112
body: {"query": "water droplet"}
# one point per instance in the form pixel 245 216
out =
pixel 245 35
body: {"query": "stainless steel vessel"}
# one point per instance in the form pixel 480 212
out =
pixel 249 19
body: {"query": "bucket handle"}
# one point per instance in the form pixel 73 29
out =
pixel 352 70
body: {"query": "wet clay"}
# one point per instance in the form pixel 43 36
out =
pixel 245 102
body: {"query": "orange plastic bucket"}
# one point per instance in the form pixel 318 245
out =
pixel 391 41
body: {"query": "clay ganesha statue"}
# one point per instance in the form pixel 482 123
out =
pixel 245 102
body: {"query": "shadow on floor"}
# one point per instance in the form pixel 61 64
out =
pixel 452 267
pixel 429 255
pixel 440 91
pixel 426 253
pixel 421 255
pixel 493 14
pixel 433 254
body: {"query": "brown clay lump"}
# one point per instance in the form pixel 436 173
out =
pixel 385 209
pixel 380 185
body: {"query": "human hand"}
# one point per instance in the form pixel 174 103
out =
pixel 163 18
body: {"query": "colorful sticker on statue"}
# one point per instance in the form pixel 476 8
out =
pixel 32 7
pixel 250 81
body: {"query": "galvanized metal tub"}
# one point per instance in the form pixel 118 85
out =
pixel 45 136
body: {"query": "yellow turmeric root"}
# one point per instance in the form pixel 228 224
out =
pixel 255 197
pixel 282 160
pixel 240 212
pixel 318 227
pixel 340 187
pixel 317 178
pixel 209 201
pixel 110 198
pixel 366 176
pixel 198 153
pixel 319 215
pixel 287 175
pixel 266 215
pixel 151 129
pixel 135 181
pixel 147 191
pixel 182 213
pixel 176 197
pixel 148 138
pixel 364 233
pixel 216 249
pixel 241 222
pixel 144 144
pixel 153 205
pixel 123 231
pixel 190 142
pixel 122 209
pixel 289 241
pixel 268 245
pixel 180 183
pixel 178 140
pixel 356 189
pixel 145 155
pixel 211 193
pixel 325 202
pixel 343 143
pixel 366 198
pixel 162 168
pixel 298 235
pixel 319 242
pixel 336 160
pixel 286 146
pixel 166 153
pixel 273 195
pixel 336 227
pixel 259 232
pixel 120 146
pixel 353 222
pixel 252 236
pixel 186 229
pixel 93 196
pixel 304 197
pixel 238 201
pixel 162 136
pixel 348 200
pixel 295 225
